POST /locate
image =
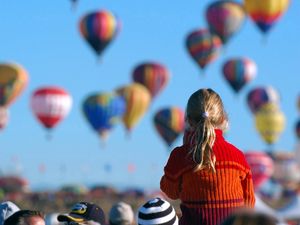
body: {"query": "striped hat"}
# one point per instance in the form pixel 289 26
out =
pixel 157 211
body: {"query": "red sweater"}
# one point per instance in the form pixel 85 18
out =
pixel 207 198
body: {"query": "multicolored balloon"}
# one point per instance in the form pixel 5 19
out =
pixel 13 80
pixel 169 123
pixel 225 18
pixel 99 29
pixel 265 13
pixel 103 111
pixel 137 99
pixel 238 72
pixel 259 96
pixel 50 105
pixel 203 46
pixel 3 117
pixel 270 122
pixel 261 165
pixel 297 129
pixel 154 76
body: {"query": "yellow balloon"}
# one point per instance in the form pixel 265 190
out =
pixel 13 79
pixel 137 99
pixel 270 122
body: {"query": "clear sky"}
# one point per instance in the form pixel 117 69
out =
pixel 43 37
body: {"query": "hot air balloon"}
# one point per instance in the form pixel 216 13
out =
pixel 265 13
pixel 103 111
pixel 261 165
pixel 238 72
pixel 99 29
pixel 298 103
pixel 3 117
pixel 259 96
pixel 13 79
pixel 297 129
pixel 270 122
pixel 50 105
pixel 225 18
pixel 169 123
pixel 137 99
pixel 203 46
pixel 153 76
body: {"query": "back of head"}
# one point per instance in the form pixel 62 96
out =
pixel 157 211
pixel 121 213
pixel 7 208
pixel 249 217
pixel 20 217
pixel 204 113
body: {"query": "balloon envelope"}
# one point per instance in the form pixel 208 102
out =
pixel 259 96
pixel 137 99
pixel 154 76
pixel 238 72
pixel 99 29
pixel 3 117
pixel 203 46
pixel 265 13
pixel 13 79
pixel 50 105
pixel 169 123
pixel 103 111
pixel 261 165
pixel 225 18
pixel 270 122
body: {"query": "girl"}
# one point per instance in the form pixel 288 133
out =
pixel 209 175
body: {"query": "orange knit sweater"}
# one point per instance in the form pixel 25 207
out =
pixel 207 198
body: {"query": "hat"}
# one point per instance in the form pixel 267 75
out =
pixel 6 210
pixel 121 214
pixel 84 211
pixel 157 211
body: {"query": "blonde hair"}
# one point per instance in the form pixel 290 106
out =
pixel 204 113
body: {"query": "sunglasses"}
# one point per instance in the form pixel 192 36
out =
pixel 75 223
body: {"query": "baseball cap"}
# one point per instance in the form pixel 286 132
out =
pixel 121 213
pixel 84 211
pixel 157 211
pixel 6 210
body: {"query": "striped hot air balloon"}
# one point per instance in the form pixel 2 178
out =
pixel 137 99
pixel 238 72
pixel 99 29
pixel 154 76
pixel 225 18
pixel 203 46
pixel 297 129
pixel 50 105
pixel 169 123
pixel 265 13
pixel 103 111
pixel 13 80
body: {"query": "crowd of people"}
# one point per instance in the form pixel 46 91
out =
pixel 209 176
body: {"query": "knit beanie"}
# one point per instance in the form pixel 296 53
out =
pixel 157 211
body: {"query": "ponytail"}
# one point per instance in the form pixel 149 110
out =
pixel 202 153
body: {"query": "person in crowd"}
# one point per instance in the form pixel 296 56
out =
pixel 209 175
pixel 7 208
pixel 84 213
pixel 249 217
pixel 26 217
pixel 121 213
pixel 157 211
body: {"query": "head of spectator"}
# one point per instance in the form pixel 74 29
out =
pixel 25 217
pixel 157 211
pixel 250 217
pixel 84 213
pixel 7 208
pixel 121 213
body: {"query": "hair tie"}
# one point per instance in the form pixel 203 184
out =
pixel 205 115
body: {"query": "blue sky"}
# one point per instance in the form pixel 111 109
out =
pixel 43 37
